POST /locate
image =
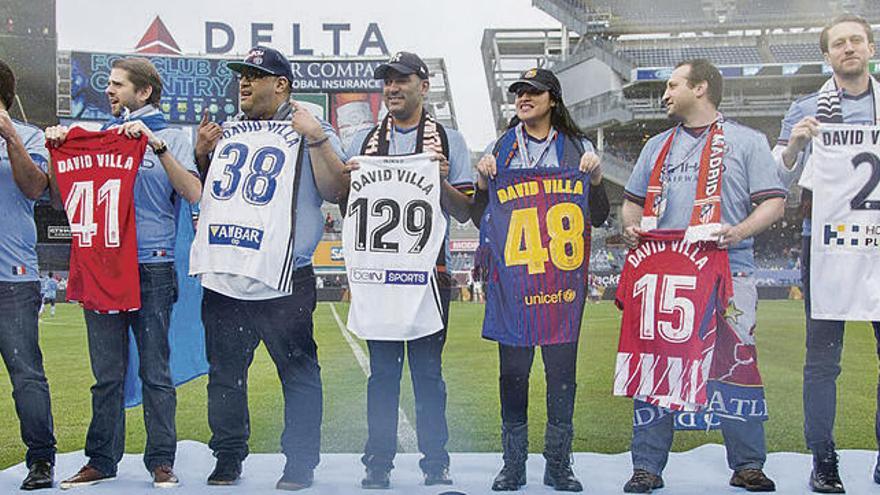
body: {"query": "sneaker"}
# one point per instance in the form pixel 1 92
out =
pixel 439 477
pixel 753 480
pixel 296 480
pixel 825 477
pixel 877 472
pixel 40 475
pixel 164 477
pixel 87 475
pixel 376 479
pixel 226 472
pixel 642 482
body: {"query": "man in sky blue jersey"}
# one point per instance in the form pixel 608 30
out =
pixel 134 91
pixel 847 44
pixel 409 128
pixel 240 311
pixel 49 290
pixel 23 165
pixel 693 93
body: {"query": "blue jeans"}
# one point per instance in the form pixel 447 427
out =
pixel 108 351
pixel 20 347
pixel 824 348
pixel 233 330
pixel 429 389
pixel 744 441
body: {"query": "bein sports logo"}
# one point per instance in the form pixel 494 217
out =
pixel 235 235
pixel 387 277
pixel 842 235
pixel 566 296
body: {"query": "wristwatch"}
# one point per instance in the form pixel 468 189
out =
pixel 161 149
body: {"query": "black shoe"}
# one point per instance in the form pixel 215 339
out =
pixel 511 478
pixel 296 479
pixel 438 477
pixel 561 478
pixel 39 476
pixel 643 482
pixel 825 477
pixel 557 452
pixel 376 479
pixel 877 472
pixel 226 472
pixel 753 480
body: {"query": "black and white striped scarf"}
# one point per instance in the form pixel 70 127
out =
pixel 828 109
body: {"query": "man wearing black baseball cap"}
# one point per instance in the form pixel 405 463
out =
pixel 403 63
pixel 410 128
pixel 239 311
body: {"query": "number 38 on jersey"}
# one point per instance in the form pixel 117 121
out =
pixel 525 245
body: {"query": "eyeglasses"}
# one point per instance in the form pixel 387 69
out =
pixel 528 90
pixel 253 75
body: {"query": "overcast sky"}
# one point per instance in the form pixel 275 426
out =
pixel 451 29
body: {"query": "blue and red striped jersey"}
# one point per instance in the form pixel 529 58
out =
pixel 534 254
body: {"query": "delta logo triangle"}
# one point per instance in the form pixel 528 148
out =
pixel 157 40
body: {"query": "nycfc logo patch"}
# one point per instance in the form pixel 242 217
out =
pixel 235 235
pixel 559 297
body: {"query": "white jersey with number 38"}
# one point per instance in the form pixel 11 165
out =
pixel 246 220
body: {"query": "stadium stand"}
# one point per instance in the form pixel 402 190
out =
pixel 668 57
pixel 796 52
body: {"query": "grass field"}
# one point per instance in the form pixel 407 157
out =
pixel 602 422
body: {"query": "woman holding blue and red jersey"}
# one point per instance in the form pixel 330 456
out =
pixel 542 171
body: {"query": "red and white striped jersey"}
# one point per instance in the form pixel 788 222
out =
pixel 671 293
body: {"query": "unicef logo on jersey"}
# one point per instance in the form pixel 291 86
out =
pixel 566 296
pixel 235 235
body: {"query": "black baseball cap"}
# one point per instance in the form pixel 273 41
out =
pixel 264 59
pixel 405 63
pixel 541 79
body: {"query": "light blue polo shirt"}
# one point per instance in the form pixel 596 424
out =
pixel 18 252
pixel 749 176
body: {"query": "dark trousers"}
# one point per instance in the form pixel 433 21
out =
pixel 824 348
pixel 108 352
pixel 233 330
pixel 383 397
pixel 20 348
pixel 560 367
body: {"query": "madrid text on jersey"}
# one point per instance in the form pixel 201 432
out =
pixel 535 187
pixel 103 160
pixel 689 250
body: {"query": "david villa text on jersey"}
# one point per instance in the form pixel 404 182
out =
pixel 535 187
pixel 104 160
pixel 686 249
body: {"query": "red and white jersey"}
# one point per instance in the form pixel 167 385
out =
pixel 95 172
pixel 671 293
